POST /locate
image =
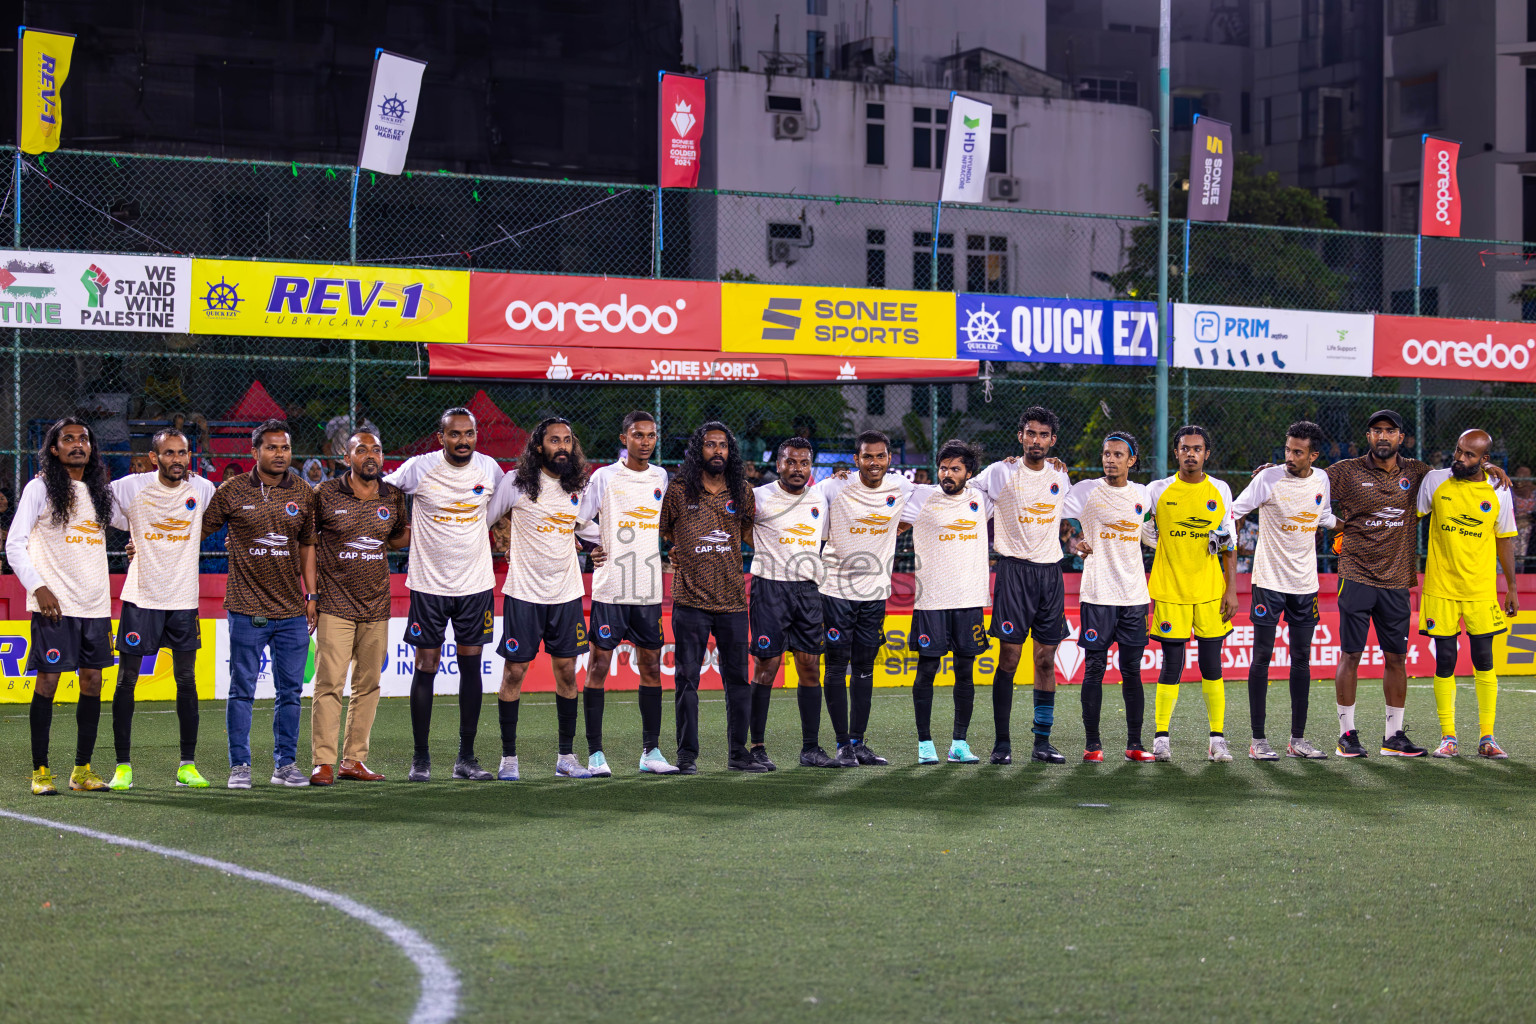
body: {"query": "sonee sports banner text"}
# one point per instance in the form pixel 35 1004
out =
pixel 864 322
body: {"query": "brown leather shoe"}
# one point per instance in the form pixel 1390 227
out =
pixel 322 775
pixel 351 769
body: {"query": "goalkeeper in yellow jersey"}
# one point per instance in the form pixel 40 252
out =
pixel 1193 584
pixel 1471 528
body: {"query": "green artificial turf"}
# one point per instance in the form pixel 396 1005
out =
pixel 1179 892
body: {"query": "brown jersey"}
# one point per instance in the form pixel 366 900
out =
pixel 351 555
pixel 706 548
pixel 268 523
pixel 1378 516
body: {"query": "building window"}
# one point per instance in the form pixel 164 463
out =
pixel 816 54
pixel 1530 107
pixel 1108 90
pixel 922 261
pixel 928 136
pixel 1245 113
pixel 874 134
pixel 816 7
pixel 1429 302
pixel 1415 104
pixel 997 161
pixel 1267 116
pixel 986 263
pixel 1407 15
pixel 1184 110
pixel 945 400
pixel 1403 218
pixel 1528 214
pixel 1266 16
pixel 874 258
pixel 1331 125
pixel 874 399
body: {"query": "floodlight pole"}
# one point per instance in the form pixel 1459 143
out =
pixel 1160 426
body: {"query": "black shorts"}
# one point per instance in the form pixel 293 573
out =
pixel 1029 598
pixel 70 644
pixel 473 617
pixel 944 630
pixel 143 631
pixel 853 622
pixel 636 624
pixel 1360 604
pixel 525 623
pixel 1299 609
pixel 1105 624
pixel 785 614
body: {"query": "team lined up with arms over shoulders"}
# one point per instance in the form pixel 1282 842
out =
pixel 308 561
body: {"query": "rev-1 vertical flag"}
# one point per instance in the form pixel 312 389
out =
pixel 682 130
pixel 967 151
pixel 1439 189
pixel 42 64
pixel 392 97
pixel 1210 169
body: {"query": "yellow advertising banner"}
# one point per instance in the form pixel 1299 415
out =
pixel 155 680
pixel 311 300
pixel 42 68
pixel 864 322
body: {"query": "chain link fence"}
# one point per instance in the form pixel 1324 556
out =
pixel 134 383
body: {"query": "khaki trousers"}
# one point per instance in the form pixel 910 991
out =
pixel 340 645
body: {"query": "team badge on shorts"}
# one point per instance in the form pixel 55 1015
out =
pixel 512 645
pixel 763 642
pixel 131 639
pixel 922 640
pixel 1165 625
pixel 1403 484
pixel 383 512
pixel 605 631
pixel 292 508
pixel 1261 610
pixel 52 657
pixel 1091 635
pixel 1210 506
pixel 1007 627
pixel 190 504
pixel 833 634
pixel 415 629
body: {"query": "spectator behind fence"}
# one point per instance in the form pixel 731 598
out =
pixel 338 429
pixel 105 409
pixel 1525 507
pixel 314 472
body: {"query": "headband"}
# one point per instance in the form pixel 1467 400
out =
pixel 1116 435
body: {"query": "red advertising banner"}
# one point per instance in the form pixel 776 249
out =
pixel 1439 189
pixel 577 363
pixel 1484 350
pixel 682 131
pixel 594 312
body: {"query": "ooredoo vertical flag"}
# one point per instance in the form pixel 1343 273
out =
pixel 967 151
pixel 392 98
pixel 1439 191
pixel 42 64
pixel 1210 169
pixel 682 130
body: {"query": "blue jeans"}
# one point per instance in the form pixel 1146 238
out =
pixel 288 642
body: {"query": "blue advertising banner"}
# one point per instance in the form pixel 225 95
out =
pixel 1010 328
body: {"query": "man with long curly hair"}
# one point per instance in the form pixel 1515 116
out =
pixel 542 594
pixel 708 509
pixel 57 548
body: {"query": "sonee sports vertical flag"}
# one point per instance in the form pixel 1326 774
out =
pixel 1439 191
pixel 1210 169
pixel 392 99
pixel 967 151
pixel 41 68
pixel 682 130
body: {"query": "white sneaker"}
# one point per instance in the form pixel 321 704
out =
pixel 240 776
pixel 1299 747
pixel 597 765
pixel 508 770
pixel 567 767
pixel 1161 751
pixel 653 762
pixel 1260 750
pixel 1219 750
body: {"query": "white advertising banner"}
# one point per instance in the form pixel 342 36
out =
pixel 95 291
pixel 967 151
pixel 392 100
pixel 1272 340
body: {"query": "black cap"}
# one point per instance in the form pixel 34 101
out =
pixel 1385 414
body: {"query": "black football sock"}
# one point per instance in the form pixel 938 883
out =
pixel 1002 707
pixel 834 687
pixel 1045 714
pixel 471 695
pixel 592 710
pixel 861 689
pixel 565 716
pixel 809 700
pixel 506 715
pixel 184 669
pixel 922 696
pixel 421 709
pixel 1095 662
pixel 1258 676
pixel 1135 697
pixel 1301 678
pixel 122 706
pixel 40 718
pixel 762 693
pixel 87 721
pixel 965 695
pixel 650 717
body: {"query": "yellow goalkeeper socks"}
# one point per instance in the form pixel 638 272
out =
pixel 1486 684
pixel 1215 691
pixel 1162 708
pixel 1445 704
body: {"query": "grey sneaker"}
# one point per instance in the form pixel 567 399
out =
pixel 469 768
pixel 1300 747
pixel 288 775
pixel 1161 749
pixel 1219 751
pixel 421 769
pixel 240 776
pixel 1260 750
pixel 507 770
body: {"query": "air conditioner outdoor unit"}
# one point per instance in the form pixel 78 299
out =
pixel 783 251
pixel 789 126
pixel 1003 188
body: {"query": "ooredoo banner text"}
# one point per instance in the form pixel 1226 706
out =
pixel 1423 346
pixel 594 312
pixel 1440 189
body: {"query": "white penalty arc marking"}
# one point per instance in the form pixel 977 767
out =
pixel 439 999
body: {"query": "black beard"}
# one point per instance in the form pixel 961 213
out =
pixel 367 474
pixel 1462 471
pixel 715 465
pixel 949 486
